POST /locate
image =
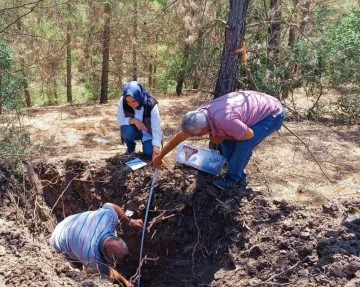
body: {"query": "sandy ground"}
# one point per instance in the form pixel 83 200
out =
pixel 306 161
pixel 297 225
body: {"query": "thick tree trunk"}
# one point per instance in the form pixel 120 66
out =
pixel 234 36
pixel 106 51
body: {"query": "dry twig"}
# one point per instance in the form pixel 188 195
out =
pixel 62 193
pixel 312 155
pixel 134 278
pixel 278 274
pixel 158 219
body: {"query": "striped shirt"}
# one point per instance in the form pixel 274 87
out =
pixel 81 235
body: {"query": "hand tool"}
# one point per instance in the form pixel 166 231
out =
pixel 145 221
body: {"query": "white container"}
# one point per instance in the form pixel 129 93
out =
pixel 203 159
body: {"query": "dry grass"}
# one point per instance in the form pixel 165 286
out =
pixel 281 166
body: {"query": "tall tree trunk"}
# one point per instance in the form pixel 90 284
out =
pixel 305 16
pixel 292 28
pixel 68 59
pixel 151 74
pixel 274 39
pixel 1 93
pixel 106 50
pixel 25 84
pixel 234 36
pixel 182 72
pixel 134 42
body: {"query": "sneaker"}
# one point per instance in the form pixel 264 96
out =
pixel 226 183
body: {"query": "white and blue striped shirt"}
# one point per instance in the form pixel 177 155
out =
pixel 80 236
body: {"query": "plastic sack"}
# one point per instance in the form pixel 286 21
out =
pixel 204 159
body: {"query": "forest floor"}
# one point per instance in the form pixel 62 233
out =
pixel 297 223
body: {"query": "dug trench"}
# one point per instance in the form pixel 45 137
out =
pixel 196 235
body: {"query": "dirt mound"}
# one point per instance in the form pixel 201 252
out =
pixel 198 236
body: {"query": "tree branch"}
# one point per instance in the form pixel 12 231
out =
pixel 21 16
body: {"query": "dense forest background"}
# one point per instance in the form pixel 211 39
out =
pixel 74 52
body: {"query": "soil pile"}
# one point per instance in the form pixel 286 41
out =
pixel 197 235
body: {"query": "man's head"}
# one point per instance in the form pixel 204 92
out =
pixel 114 250
pixel 195 123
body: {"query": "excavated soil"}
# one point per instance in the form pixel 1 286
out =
pixel 197 235
pixel 297 225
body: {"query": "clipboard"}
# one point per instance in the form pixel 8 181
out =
pixel 136 163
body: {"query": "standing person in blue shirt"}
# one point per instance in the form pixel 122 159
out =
pixel 90 238
pixel 139 119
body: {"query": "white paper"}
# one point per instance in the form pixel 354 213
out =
pixel 100 140
pixel 135 163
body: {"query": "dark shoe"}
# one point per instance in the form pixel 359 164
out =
pixel 129 152
pixel 226 183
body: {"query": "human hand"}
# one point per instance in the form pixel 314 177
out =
pixel 139 125
pixel 137 224
pixel 157 161
pixel 216 139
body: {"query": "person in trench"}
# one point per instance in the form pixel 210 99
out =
pixel 90 238
pixel 139 119
pixel 238 121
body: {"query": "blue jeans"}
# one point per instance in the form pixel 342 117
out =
pixel 238 153
pixel 130 133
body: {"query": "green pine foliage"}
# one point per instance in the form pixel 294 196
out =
pixel 13 139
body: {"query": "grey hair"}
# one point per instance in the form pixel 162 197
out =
pixel 194 122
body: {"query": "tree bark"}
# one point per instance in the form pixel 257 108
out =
pixel 1 94
pixel 25 84
pixel 134 42
pixel 68 59
pixel 106 50
pixel 274 39
pixel 182 72
pixel 234 36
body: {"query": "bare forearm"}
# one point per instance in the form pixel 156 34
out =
pixel 115 275
pixel 121 214
pixel 172 143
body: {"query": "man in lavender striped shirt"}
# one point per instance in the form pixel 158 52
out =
pixel 90 238
pixel 238 121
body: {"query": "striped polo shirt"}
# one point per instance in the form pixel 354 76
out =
pixel 80 236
